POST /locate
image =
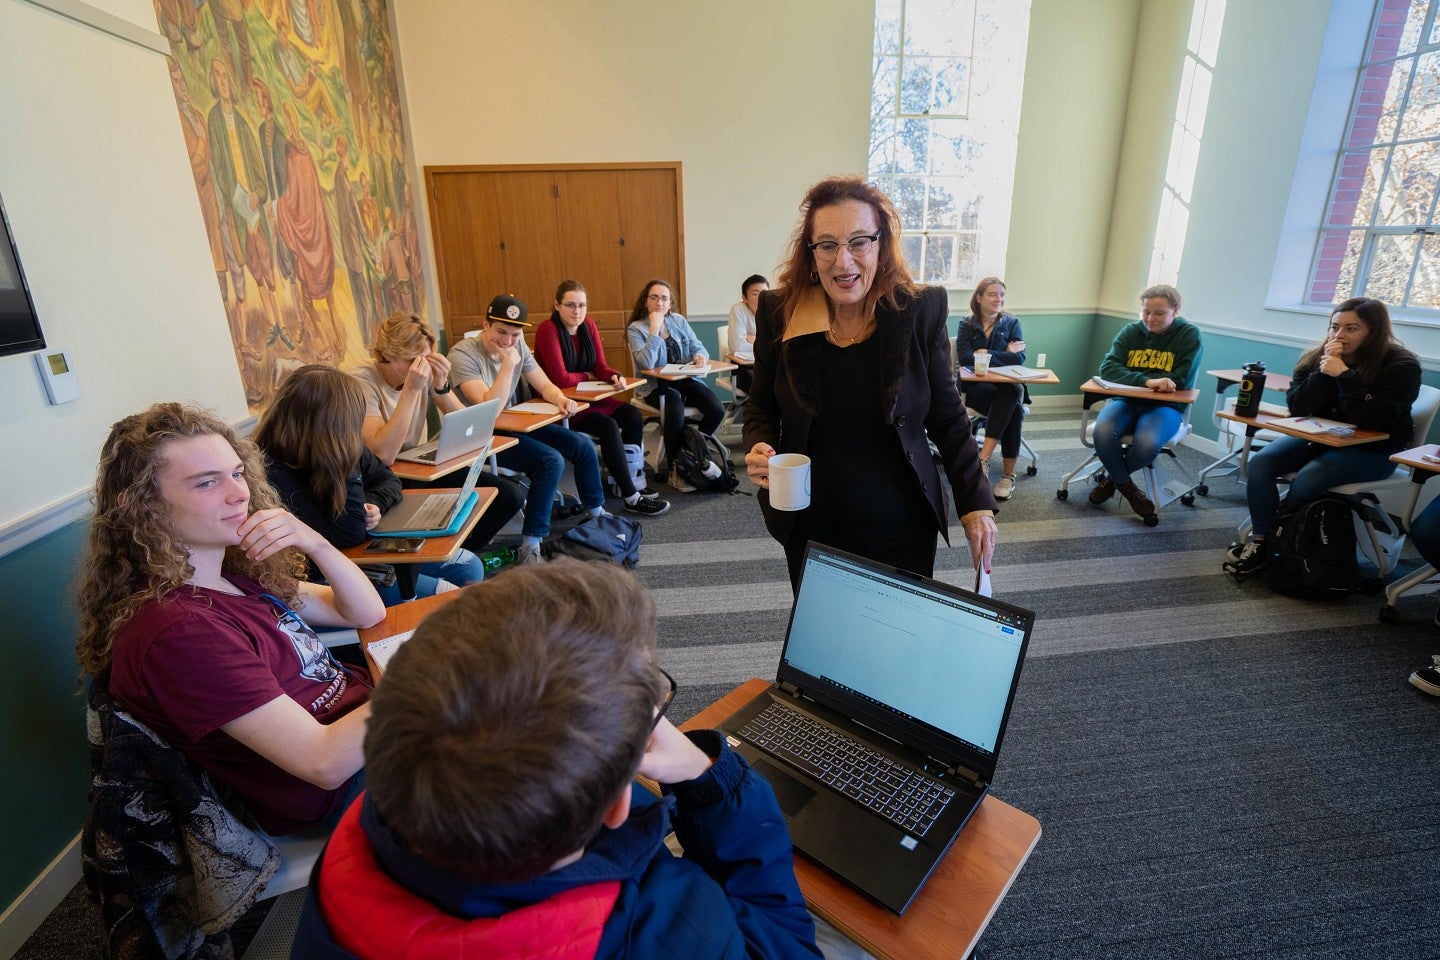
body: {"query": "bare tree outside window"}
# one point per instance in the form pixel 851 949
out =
pixel 944 115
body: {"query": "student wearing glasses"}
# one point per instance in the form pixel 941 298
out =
pixel 568 349
pixel 657 335
pixel 192 615
pixel 852 369
pixel 500 817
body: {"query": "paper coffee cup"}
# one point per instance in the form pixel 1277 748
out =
pixel 982 362
pixel 790 481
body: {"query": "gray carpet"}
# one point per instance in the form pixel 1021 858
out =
pixel 1219 771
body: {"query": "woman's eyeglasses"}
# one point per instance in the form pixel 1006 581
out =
pixel 665 702
pixel 658 298
pixel 830 249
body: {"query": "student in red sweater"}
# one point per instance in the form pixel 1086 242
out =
pixel 568 349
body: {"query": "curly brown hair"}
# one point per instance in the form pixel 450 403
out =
pixel 892 275
pixel 132 556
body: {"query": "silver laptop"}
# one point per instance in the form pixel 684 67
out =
pixel 461 432
pixel 881 733
pixel 432 515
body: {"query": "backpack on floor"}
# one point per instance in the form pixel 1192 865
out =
pixel 1311 550
pixel 696 450
pixel 616 539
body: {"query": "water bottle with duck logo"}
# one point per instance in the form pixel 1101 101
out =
pixel 1252 386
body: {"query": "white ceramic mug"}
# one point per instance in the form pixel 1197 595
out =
pixel 790 481
pixel 981 362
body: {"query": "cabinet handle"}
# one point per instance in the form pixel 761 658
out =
pixel 622 241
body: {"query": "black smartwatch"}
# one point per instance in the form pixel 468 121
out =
pixel 441 391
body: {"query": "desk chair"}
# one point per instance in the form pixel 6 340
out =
pixel 653 413
pixel 978 422
pixel 1160 495
pixel 1379 504
pixel 730 382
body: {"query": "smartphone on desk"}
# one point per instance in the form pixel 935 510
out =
pixel 395 545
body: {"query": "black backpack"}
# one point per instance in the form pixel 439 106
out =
pixel 1311 550
pixel 696 450
pixel 616 539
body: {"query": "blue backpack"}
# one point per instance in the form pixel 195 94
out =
pixel 616 539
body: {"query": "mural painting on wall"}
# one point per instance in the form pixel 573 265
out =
pixel 291 114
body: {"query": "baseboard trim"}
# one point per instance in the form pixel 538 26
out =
pixel 23 917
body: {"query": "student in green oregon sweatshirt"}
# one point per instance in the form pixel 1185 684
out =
pixel 1160 351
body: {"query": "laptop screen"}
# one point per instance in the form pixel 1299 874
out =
pixel 909 648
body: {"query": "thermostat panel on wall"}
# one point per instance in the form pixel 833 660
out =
pixel 61 384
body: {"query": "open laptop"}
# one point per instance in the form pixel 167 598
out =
pixel 461 432
pixel 881 733
pixel 433 515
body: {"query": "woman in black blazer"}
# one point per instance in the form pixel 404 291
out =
pixel 852 369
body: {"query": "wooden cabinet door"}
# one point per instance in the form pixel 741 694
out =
pixel 470 265
pixel 529 228
pixel 650 219
pixel 588 206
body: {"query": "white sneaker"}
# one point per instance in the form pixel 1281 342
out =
pixel 1005 487
pixel 525 555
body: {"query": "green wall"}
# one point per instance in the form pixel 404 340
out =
pixel 42 749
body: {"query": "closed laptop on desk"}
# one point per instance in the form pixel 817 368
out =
pixel 882 731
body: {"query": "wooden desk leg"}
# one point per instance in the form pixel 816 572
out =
pixel 407 579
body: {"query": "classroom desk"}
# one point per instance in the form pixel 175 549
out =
pixel 716 366
pixel 1224 380
pixel 399 619
pixel 1269 421
pixel 968 375
pixel 581 396
pixel 951 911
pixel 1421 471
pixel 432 549
pixel 518 421
pixel 429 473
pixel 740 360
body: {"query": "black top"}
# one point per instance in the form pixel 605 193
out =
pixel 370 482
pixel 1383 404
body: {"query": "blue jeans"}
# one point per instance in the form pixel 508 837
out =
pixel 1317 468
pixel 1150 424
pixel 541 456
pixel 462 570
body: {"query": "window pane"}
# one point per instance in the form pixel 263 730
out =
pixel 1422 112
pixel 1377 108
pixel 916 85
pixel 943 210
pixel 909 200
pixel 1425 292
pixel 1364 170
pixel 887 26
pixel 912 146
pixel 885 80
pixel 1336 265
pixel 938 254
pixel 940 27
pixel 1209 22
pixel 967 260
pixel 1194 118
pixel 1389 270
pixel 953 151
pixel 1409 185
pixel 1398 29
pixel 910 245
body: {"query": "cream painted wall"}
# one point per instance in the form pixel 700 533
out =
pixel 105 214
pixel 756 99
pixel 1077 79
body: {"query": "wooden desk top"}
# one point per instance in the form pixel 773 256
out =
pixel 432 549
pixel 406 470
pixel 739 360
pixel 1414 458
pixel 518 421
pixel 954 907
pixel 583 395
pixel 398 619
pixel 716 366
pixel 1140 393
pixel 1273 381
pixel 1268 421
pixel 969 375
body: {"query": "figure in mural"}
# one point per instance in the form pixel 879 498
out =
pixel 397 267
pixel 351 229
pixel 272 152
pixel 305 230
pixel 230 14
pixel 239 174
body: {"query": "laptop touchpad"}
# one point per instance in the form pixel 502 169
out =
pixel 792 794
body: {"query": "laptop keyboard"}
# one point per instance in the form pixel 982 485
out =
pixel 905 797
pixel 435 508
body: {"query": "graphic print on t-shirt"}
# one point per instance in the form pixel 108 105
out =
pixel 316 664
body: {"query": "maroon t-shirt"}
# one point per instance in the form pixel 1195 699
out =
pixel 194 660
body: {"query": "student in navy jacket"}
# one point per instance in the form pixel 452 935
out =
pixel 499 817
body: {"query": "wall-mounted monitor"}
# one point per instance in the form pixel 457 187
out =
pixel 19 326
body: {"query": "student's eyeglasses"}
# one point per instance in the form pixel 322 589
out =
pixel 668 699
pixel 830 249
pixel 574 306
pixel 658 298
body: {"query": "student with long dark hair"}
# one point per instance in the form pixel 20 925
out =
pixel 1359 373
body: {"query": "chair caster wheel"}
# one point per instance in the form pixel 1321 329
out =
pixel 1153 520
pixel 1389 615
pixel 1203 489
pixel 1062 494
pixel 1031 470
pixel 1188 499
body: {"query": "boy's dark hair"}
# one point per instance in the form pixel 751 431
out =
pixel 512 719
pixel 750 281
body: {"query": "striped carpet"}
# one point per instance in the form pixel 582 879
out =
pixel 1220 771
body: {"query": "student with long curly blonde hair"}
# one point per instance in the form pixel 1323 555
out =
pixel 191 613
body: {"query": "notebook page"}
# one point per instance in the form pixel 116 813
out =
pixel 382 650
